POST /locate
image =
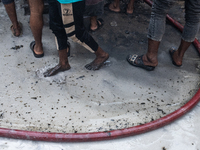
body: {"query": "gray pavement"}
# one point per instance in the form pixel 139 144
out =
pixel 117 96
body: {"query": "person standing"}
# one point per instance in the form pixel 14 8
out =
pixel 36 24
pixel 157 23
pixel 66 20
pixel 16 26
pixel 115 7
pixel 94 8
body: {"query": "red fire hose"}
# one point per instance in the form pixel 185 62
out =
pixel 97 136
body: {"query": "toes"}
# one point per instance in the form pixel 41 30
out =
pixel 92 67
pixel 49 72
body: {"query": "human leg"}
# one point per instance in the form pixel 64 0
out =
pixel 191 28
pixel 93 10
pixel 147 61
pixel 11 11
pixel 115 6
pixel 75 29
pixel 101 57
pixel 130 6
pixel 177 55
pixel 156 31
pixel 56 25
pixel 95 23
pixel 63 64
pixel 36 23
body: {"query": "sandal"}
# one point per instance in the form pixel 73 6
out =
pixel 132 60
pixel 32 45
pixel 13 30
pixel 100 24
pixel 171 53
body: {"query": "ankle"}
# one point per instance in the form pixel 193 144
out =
pixel 129 7
pixel 38 47
pixel 178 56
pixel 100 52
pixel 93 26
pixel 150 59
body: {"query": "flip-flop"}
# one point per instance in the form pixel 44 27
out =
pixel 99 25
pixel 106 7
pixel 20 26
pixel 133 58
pixel 171 53
pixel 32 44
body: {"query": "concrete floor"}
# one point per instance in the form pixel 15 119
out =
pixel 117 96
pixel 182 134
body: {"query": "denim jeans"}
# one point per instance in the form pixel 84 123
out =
pixel 158 18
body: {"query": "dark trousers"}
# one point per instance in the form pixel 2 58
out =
pixel 66 20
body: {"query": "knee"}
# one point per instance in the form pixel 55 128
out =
pixel 81 34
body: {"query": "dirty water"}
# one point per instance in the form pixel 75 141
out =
pixel 76 101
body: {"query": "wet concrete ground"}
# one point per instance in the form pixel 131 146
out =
pixel 117 96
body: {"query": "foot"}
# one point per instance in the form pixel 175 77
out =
pixel 98 62
pixel 17 29
pixel 129 10
pixel 58 68
pixel 113 7
pixel 176 60
pixel 97 26
pixel 37 50
pixel 150 61
pixel 137 61
pixel 62 66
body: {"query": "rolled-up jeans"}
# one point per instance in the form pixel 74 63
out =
pixel 158 19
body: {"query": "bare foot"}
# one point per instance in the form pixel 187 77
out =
pixel 114 7
pixel 97 63
pixel 129 10
pixel 53 71
pixel 97 24
pixel 62 66
pixel 130 7
pixel 16 29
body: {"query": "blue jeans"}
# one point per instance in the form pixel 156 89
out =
pixel 158 18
